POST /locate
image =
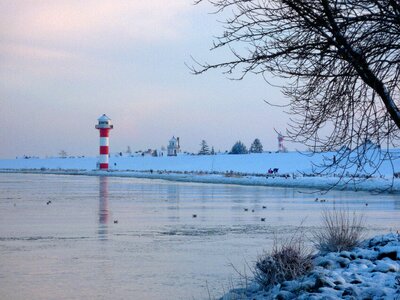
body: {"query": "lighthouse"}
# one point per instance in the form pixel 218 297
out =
pixel 281 147
pixel 104 126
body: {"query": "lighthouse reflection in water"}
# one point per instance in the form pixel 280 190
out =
pixel 103 208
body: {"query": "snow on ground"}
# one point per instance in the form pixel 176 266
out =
pixel 253 163
pixel 370 271
pixel 294 169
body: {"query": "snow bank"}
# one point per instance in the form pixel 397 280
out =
pixel 294 169
pixel 370 271
pixel 252 163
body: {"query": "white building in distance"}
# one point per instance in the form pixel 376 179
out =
pixel 173 146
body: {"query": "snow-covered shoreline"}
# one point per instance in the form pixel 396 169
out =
pixel 370 271
pixel 295 170
pixel 320 183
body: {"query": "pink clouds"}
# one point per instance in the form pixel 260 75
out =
pixel 70 20
pixel 48 37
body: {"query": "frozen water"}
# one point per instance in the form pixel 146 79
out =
pixel 73 248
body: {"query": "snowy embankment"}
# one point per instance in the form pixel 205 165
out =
pixel 294 169
pixel 370 271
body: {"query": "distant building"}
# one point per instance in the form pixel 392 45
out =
pixel 173 146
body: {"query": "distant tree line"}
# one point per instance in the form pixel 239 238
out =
pixel 237 148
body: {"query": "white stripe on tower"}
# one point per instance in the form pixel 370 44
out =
pixel 104 141
pixel 103 159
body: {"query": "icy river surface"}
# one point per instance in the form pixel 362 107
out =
pixel 83 237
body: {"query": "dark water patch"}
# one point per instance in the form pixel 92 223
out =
pixel 41 238
pixel 225 230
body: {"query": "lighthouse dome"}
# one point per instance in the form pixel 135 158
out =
pixel 104 122
pixel 103 117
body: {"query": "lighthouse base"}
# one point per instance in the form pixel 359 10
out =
pixel 103 166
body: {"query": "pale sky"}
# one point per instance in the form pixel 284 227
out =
pixel 63 63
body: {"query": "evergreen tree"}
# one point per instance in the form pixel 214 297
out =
pixel 212 150
pixel 204 150
pixel 239 148
pixel 256 147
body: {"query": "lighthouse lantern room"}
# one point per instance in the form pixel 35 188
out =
pixel 104 126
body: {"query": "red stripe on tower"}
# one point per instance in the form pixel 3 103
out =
pixel 103 166
pixel 104 150
pixel 104 132
pixel 104 126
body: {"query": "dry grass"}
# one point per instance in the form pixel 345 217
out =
pixel 341 231
pixel 286 261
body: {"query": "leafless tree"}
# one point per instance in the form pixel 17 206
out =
pixel 340 60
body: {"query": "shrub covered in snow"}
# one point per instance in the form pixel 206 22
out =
pixel 286 261
pixel 369 271
pixel 341 231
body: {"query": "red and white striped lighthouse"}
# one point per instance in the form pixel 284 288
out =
pixel 104 126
